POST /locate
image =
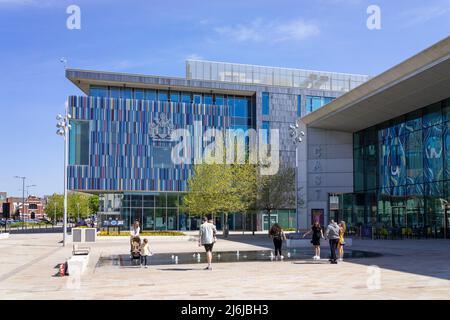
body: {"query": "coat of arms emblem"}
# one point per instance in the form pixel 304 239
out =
pixel 162 128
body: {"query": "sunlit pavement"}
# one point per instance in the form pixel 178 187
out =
pixel 409 269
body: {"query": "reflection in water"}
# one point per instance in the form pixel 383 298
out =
pixel 228 256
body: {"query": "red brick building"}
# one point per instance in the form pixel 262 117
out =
pixel 34 207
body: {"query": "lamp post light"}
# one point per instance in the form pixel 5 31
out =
pixel 28 188
pixel 63 131
pixel 23 199
pixel 297 138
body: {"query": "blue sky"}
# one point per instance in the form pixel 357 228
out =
pixel 155 37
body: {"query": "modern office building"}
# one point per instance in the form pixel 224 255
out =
pixel 379 156
pixel 120 144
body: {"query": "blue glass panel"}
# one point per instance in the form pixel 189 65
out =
pixel 414 121
pixel 99 91
pixel 446 110
pixel 447 150
pixel 240 121
pixel 208 99
pixel 197 98
pixel 220 101
pixel 433 154
pixel 127 93
pixel 265 103
pixel 174 96
pixel 185 97
pixel 299 106
pixel 432 115
pixel 266 132
pixel 150 95
pixel 163 95
pixel 79 143
pixel 139 94
pixel 162 157
pixel 115 92
pixel 240 107
pixel 414 158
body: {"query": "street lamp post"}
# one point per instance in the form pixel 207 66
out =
pixel 28 188
pixel 63 131
pixel 296 135
pixel 23 199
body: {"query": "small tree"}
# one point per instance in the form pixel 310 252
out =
pixel 276 191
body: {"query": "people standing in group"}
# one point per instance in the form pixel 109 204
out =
pixel 207 238
pixel 332 234
pixel 317 234
pixel 278 236
pixel 341 243
pixel 145 252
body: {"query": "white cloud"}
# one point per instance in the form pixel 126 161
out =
pixel 426 13
pixel 270 31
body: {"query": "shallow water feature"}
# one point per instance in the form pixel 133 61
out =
pixel 199 257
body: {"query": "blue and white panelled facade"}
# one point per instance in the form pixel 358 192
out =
pixel 119 146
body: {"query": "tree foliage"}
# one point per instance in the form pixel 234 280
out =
pixel 88 205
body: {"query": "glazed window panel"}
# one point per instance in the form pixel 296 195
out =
pixel 433 154
pixel 414 158
pixel 79 143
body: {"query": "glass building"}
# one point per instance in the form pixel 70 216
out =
pixel 120 146
pixel 402 171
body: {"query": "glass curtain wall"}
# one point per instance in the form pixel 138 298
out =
pixel 402 173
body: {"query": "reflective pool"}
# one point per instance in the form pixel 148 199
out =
pixel 199 257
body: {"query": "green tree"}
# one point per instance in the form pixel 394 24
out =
pixel 220 188
pixel 55 206
pixel 93 204
pixel 276 191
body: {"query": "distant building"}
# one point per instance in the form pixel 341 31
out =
pixel 3 196
pixel 34 207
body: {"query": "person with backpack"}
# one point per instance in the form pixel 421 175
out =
pixel 277 234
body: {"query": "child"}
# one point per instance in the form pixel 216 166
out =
pixel 145 252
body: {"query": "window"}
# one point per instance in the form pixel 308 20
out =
pixel 139 94
pixel 315 102
pixel 79 143
pixel 197 98
pixel 163 95
pixel 99 91
pixel 185 97
pixel 174 96
pixel 127 93
pixel 240 107
pixel 208 99
pixel 220 101
pixel 266 132
pixel 265 103
pixel 115 92
pixel 162 157
pixel 150 95
pixel 299 106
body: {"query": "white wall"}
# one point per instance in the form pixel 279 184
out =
pixel 325 166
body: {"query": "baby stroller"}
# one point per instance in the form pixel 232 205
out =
pixel 135 251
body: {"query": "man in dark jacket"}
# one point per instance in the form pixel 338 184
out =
pixel 332 234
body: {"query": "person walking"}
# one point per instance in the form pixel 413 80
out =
pixel 317 234
pixel 207 238
pixel 277 234
pixel 145 252
pixel 341 243
pixel 332 234
pixel 135 231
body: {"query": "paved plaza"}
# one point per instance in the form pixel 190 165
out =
pixel 408 269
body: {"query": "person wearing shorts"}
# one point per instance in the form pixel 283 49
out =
pixel 207 238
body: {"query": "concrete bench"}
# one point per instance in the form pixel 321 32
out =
pixel 76 265
pixel 80 250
